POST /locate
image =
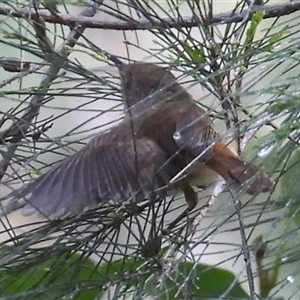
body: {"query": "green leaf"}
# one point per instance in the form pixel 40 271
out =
pixel 285 130
pixel 265 152
pixel 33 171
pixel 255 21
pixel 203 281
pixel 290 189
pixel 79 278
pixel 199 280
pixel 273 40
pixel 197 55
pixel 67 275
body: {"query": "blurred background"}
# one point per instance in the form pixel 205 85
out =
pixel 258 61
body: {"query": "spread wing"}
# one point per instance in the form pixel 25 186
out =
pixel 110 167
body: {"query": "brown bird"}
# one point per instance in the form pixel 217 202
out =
pixel 165 112
pixel 164 131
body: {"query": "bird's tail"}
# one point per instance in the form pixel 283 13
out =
pixel 237 172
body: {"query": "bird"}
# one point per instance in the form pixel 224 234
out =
pixel 184 131
pixel 164 133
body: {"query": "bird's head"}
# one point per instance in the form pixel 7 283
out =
pixel 146 84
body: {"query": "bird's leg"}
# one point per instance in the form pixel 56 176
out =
pixel 191 199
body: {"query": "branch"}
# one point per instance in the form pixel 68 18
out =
pixel 271 11
pixel 22 126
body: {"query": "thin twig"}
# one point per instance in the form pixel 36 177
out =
pixel 264 119
pixel 31 70
pixel 272 125
pixel 245 249
pixel 219 186
pixel 36 101
pixel 271 11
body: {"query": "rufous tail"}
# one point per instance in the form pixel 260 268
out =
pixel 237 172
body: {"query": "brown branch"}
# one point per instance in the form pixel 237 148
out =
pixel 20 128
pixel 271 11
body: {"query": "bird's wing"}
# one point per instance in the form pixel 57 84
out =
pixel 98 173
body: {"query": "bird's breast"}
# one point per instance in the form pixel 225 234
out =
pixel 201 176
pixel 198 175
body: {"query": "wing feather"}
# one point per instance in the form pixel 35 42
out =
pixel 98 173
